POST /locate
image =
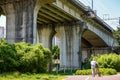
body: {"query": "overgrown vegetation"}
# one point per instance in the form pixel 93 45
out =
pixel 23 57
pixel 55 52
pixel 56 57
pixel 104 71
pixel 116 34
pixel 111 60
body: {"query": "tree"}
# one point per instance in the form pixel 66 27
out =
pixel 116 34
pixel 55 52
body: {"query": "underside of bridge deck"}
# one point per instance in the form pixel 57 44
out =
pixel 38 21
pixel 50 13
pixel 90 39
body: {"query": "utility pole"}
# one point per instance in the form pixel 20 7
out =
pixel 92 4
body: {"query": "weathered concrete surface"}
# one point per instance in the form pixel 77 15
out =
pixel 87 52
pixel 104 35
pixel 70 45
pixel 45 35
pixel 22 20
pixel 59 17
pixel 19 18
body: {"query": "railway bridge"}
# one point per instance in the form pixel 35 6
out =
pixel 80 31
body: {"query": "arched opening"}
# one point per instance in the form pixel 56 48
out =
pixel 56 40
pixel 56 51
pixel 90 39
pixel 56 46
pixel 92 44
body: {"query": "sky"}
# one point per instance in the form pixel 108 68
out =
pixel 104 8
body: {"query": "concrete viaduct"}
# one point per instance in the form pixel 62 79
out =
pixel 80 30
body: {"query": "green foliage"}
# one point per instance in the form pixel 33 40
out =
pixel 116 34
pixel 56 52
pixel 33 58
pixel 83 72
pixel 23 57
pixel 8 57
pixel 104 71
pixel 87 64
pixel 108 61
pixel 108 71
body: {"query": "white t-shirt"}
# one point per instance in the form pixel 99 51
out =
pixel 93 64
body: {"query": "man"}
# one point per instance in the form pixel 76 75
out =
pixel 93 66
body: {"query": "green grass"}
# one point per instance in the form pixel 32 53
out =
pixel 28 76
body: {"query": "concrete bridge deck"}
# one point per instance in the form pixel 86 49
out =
pixel 77 27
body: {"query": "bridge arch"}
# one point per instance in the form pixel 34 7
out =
pixel 91 39
pixel 106 37
pixel 23 18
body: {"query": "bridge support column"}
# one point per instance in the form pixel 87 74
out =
pixel 21 20
pixel 45 34
pixel 70 48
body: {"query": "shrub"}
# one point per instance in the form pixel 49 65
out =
pixel 83 72
pixel 8 57
pixel 55 52
pixel 23 57
pixel 104 71
pixel 87 64
pixel 33 58
pixel 108 71
pixel 111 60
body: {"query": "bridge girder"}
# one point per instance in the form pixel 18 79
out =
pixel 24 20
